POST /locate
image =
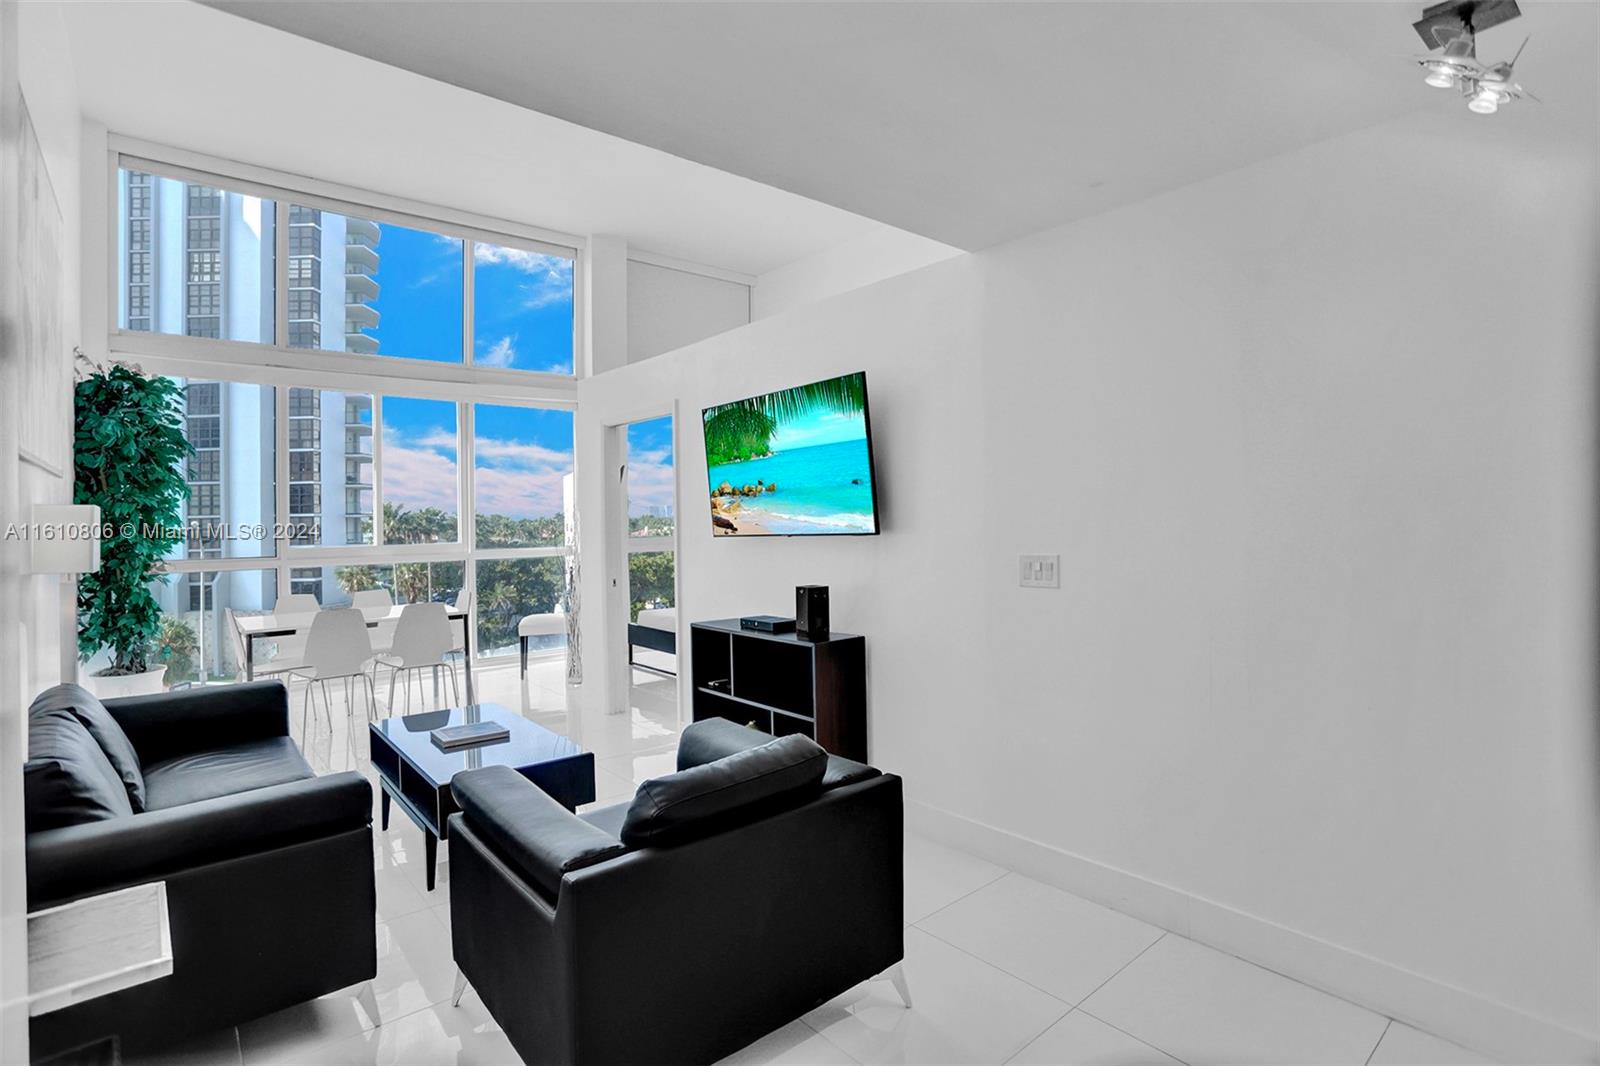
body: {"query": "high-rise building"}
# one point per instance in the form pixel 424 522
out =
pixel 199 262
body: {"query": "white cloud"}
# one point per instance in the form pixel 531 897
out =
pixel 438 439
pixel 550 276
pixel 418 477
pixel 650 484
pixel 501 353
pixel 524 260
pixel 513 478
pixel 520 455
pixel 652 456
pixel 516 494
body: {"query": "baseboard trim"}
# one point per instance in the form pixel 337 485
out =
pixel 1495 1029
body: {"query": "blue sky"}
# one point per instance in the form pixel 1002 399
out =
pixel 522 454
pixel 523 310
pixel 419 295
pixel 522 302
pixel 818 427
pixel 650 484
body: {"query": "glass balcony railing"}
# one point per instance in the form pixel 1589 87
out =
pixel 358 317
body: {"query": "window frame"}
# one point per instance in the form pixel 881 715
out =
pixel 281 189
pixel 282 367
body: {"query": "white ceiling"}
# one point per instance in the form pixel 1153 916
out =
pixel 969 123
pixel 184 75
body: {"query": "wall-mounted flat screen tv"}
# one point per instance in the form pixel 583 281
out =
pixel 793 463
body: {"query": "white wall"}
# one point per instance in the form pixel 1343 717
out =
pixel 404 135
pixel 46 74
pixel 759 576
pixel 1316 441
pixel 669 308
pixel 882 253
pixel 33 55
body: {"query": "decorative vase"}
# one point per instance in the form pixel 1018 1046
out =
pixel 574 575
pixel 113 686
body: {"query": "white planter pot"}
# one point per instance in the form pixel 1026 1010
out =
pixel 108 688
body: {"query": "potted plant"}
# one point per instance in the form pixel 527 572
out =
pixel 177 648
pixel 128 451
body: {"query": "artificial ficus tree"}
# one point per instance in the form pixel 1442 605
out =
pixel 129 447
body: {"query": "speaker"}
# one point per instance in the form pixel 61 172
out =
pixel 811 612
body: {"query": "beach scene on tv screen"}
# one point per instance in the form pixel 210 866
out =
pixel 792 462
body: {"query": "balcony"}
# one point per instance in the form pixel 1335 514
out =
pixel 362 256
pixel 367 231
pixel 361 344
pixel 359 288
pixel 359 316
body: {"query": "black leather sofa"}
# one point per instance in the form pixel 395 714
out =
pixel 762 879
pixel 268 867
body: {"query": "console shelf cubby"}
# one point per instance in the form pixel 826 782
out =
pixel 781 684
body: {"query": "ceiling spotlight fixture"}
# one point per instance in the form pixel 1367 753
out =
pixel 1440 76
pixel 1451 30
pixel 1459 61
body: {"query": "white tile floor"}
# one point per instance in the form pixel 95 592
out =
pixel 1001 968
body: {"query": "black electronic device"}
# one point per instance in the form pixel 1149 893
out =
pixel 811 612
pixel 767 623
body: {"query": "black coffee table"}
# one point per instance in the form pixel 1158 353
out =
pixel 415 774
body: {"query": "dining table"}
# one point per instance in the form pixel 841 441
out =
pixel 256 627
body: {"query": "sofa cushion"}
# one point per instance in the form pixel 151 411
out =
pixel 204 775
pixel 542 625
pixel 716 738
pixel 706 798
pixel 660 618
pixel 67 779
pixel 529 831
pixel 842 771
pixel 86 708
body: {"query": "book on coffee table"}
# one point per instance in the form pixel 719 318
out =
pixel 451 737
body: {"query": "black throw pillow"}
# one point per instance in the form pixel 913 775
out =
pixel 67 779
pixel 703 799
pixel 86 708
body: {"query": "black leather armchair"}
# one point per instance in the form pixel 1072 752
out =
pixel 760 881
pixel 268 867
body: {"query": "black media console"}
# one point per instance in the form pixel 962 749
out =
pixel 780 683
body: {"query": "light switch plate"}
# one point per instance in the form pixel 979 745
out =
pixel 1039 571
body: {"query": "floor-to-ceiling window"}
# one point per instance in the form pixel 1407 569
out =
pixel 652 578
pixel 652 560
pixel 327 349
pixel 522 501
